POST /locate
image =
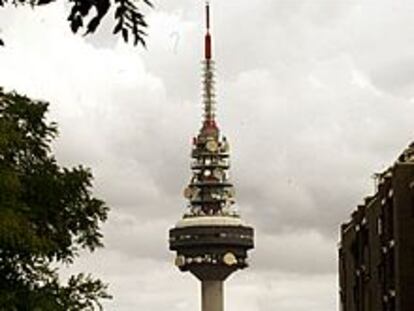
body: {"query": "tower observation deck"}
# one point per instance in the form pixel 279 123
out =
pixel 211 241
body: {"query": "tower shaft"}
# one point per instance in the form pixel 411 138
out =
pixel 212 296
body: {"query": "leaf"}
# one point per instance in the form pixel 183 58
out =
pixel 125 34
pixel 149 3
pixel 43 2
pixel 76 23
pixel 119 11
pixel 92 25
pixel 117 28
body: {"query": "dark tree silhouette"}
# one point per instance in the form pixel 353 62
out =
pixel 129 20
pixel 47 215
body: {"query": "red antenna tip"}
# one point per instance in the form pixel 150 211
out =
pixel 207 40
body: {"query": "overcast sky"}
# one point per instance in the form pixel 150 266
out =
pixel 314 95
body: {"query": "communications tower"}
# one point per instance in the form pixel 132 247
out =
pixel 211 241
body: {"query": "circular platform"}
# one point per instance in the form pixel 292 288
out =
pixel 211 247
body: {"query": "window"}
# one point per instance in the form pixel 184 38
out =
pixel 379 226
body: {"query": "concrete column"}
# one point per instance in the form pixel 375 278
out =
pixel 212 296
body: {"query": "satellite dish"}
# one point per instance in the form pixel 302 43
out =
pixel 229 259
pixel 180 261
pixel 212 146
pixel 188 193
pixel 217 173
pixel 225 146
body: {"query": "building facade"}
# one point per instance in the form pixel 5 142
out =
pixel 376 250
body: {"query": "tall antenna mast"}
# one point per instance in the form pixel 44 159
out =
pixel 208 75
pixel 207 39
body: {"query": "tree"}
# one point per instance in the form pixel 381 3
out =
pixel 129 20
pixel 47 215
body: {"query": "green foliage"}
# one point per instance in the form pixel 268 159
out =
pixel 129 20
pixel 47 214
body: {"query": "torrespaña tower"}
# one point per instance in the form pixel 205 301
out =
pixel 211 241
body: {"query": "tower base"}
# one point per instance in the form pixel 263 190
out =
pixel 212 296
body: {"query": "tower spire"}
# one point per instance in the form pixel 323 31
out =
pixel 207 39
pixel 208 75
